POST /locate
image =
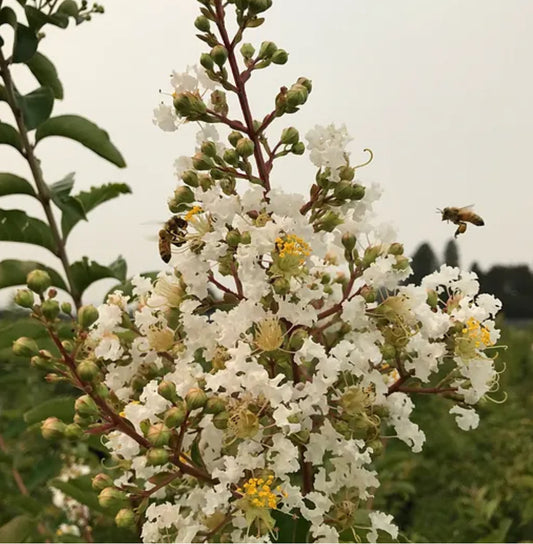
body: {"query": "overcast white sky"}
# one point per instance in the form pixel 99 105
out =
pixel 440 91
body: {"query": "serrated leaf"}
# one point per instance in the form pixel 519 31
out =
pixel 36 106
pixel 25 44
pixel 17 529
pixel 74 489
pixel 16 226
pixel 83 131
pixel 45 73
pixel 10 184
pixel 90 200
pixel 86 272
pixel 10 136
pixel 60 407
pixel 13 272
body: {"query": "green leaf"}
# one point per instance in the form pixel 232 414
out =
pixel 3 94
pixel 36 106
pixel 8 16
pixel 77 489
pixel 69 205
pixel 83 131
pixel 90 200
pixel 10 184
pixel 37 19
pixel 16 226
pixel 291 529
pixel 45 73
pixel 69 7
pixel 60 407
pixel 25 44
pixel 10 136
pixel 13 272
pixel 17 529
pixel 86 272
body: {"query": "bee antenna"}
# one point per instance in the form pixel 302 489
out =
pixel 439 210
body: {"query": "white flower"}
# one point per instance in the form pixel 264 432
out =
pixel 327 147
pixel 466 418
pixel 165 118
pixel 382 522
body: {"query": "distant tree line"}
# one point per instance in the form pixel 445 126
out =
pixel 512 284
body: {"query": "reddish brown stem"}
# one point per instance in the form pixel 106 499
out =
pixel 222 287
pixel 235 125
pixel 427 390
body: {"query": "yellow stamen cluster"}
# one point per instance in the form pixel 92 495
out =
pixel 259 492
pixel 292 245
pixel 192 212
pixel 269 335
pixel 477 332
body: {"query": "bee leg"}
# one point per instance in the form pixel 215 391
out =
pixel 460 229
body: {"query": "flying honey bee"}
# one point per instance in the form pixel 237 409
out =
pixel 460 217
pixel 172 234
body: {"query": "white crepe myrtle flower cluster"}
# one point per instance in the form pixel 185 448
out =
pixel 252 383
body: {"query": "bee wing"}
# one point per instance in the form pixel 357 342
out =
pixel 464 208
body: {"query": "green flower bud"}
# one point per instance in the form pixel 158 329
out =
pixel 68 345
pixel 396 249
pixel 202 23
pixel 280 56
pixel 281 286
pixel 190 105
pixel 87 315
pixel 358 192
pixel 112 498
pixel 38 281
pixel 234 137
pixel 258 6
pixel 66 308
pixel 158 434
pixel 25 347
pixel 348 241
pixel 220 104
pixel 377 447
pixel 246 238
pixel 402 262
pixel 228 185
pixel 297 95
pixel 215 405
pixel 73 431
pixel 200 161
pixel 220 420
pixel 125 518
pixel 371 254
pixel 266 50
pixel 233 238
pixel 157 456
pixel 209 148
pixel 368 294
pixel 42 363
pixel 290 136
pixel 167 390
pixel 88 370
pixel 241 4
pixel 50 309
pixel 343 190
pixel 83 422
pixel 297 339
pixel 190 177
pixel 85 406
pixel 219 54
pixel 52 428
pixel 245 147
pixel 247 50
pixel 231 157
pixel 101 481
pixel 145 426
pixel 328 221
pixel 346 172
pixel 195 398
pixel 298 148
pixel 432 298
pixel 24 298
pixel 175 416
pixel 102 390
pixel 388 351
pixel 184 195
pixel 206 60
pixel 306 83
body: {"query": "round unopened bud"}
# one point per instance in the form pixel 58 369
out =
pixel 216 173
pixel 66 308
pixel 377 447
pixel 388 351
pixel 247 50
pixel 396 249
pixel 231 157
pixel 87 315
pixel 202 23
pixel 220 420
pixel 298 148
pixel 183 195
pixel 290 136
pixel 167 390
pixel 402 262
pixel 371 254
pixel 219 54
pixel 50 309
pixel 246 238
pixel 175 416
pixel 215 405
pixel 206 60
pixel 280 57
pixel 348 241
pixel 158 434
pixel 281 286
pixel 368 294
pixel 88 370
pixel 306 83
pixel 101 481
pixel 38 281
pixel 358 192
pixel 125 518
pixel 24 298
pixel 297 95
pixel 257 6
pixel 85 406
pixel 233 238
pixel 297 339
pixel 156 456
pixel 245 147
pixel 112 498
pixel 190 105
pixel 209 148
pixel 73 431
pixel 190 177
pixel 343 190
pixel 43 363
pixel 195 398
pixel 266 50
pixel 52 428
pixel 234 137
pixel 329 221
pixel 201 161
pixel 346 172
pixel 25 347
